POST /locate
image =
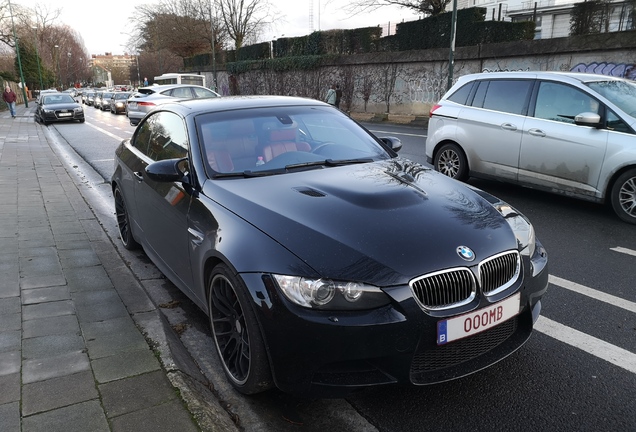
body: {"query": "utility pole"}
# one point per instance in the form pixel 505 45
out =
pixel 451 59
pixel 213 46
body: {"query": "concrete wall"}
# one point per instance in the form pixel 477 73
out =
pixel 421 76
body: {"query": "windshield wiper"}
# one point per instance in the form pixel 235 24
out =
pixel 248 173
pixel 329 162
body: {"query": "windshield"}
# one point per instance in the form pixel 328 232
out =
pixel 621 93
pixel 277 140
pixel 61 98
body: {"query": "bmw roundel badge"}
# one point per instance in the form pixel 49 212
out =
pixel 466 253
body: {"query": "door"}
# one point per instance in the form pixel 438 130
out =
pixel 555 152
pixel 163 206
pixel 493 126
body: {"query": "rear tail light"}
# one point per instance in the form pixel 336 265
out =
pixel 433 109
pixel 146 103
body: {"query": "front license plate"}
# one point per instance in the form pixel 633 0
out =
pixel 65 114
pixel 459 327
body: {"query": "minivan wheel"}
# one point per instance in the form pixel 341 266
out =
pixel 236 333
pixel 624 196
pixel 451 161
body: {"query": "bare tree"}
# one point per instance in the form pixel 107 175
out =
pixel 366 87
pixel 387 75
pixel 425 7
pixel 245 19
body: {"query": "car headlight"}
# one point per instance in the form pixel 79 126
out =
pixel 523 229
pixel 78 109
pixel 48 111
pixel 327 294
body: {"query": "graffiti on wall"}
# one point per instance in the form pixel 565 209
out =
pixel 621 70
pixel 426 90
pixel 527 69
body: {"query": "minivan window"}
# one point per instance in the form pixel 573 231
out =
pixel 621 93
pixel 507 95
pixel 561 102
pixel 614 123
pixel 461 95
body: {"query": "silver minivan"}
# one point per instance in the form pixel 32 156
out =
pixel 567 133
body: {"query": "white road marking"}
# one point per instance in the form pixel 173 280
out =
pixel 105 131
pixel 599 348
pixel 595 294
pixel 624 250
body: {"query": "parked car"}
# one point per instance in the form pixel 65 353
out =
pixel 71 91
pixel 117 102
pixel 104 102
pixel 97 101
pixel 567 133
pixel 45 92
pixel 57 107
pixel 89 98
pixel 146 98
pixel 325 262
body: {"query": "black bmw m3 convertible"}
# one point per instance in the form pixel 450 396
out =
pixel 325 262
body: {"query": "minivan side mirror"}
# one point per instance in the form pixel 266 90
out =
pixel 587 119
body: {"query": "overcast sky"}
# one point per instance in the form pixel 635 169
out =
pixel 111 18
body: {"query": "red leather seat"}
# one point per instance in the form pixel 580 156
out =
pixel 282 141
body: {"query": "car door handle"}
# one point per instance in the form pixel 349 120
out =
pixel 509 126
pixel 536 132
pixel 139 175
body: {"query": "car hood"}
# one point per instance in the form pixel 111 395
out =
pixel 382 223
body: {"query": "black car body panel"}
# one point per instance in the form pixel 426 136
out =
pixel 385 223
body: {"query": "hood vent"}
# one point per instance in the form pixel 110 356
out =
pixel 309 192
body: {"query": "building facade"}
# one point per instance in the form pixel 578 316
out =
pixel 552 17
pixel 112 69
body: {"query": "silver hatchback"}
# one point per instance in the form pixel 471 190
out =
pixel 567 133
pixel 146 98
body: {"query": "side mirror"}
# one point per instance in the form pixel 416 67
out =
pixel 587 119
pixel 393 142
pixel 166 171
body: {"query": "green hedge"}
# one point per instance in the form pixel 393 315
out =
pixel 472 29
pixel 307 52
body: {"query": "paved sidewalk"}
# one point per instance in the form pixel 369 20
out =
pixel 72 357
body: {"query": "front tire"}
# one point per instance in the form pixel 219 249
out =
pixel 236 332
pixel 623 196
pixel 123 221
pixel 450 160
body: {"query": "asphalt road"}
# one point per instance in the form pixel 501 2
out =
pixel 577 372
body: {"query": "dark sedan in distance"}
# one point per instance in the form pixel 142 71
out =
pixel 58 107
pixel 325 262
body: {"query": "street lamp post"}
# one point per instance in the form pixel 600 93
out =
pixel 37 56
pixel 59 75
pixel 68 61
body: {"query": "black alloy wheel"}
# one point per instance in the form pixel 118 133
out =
pixel 451 161
pixel 623 196
pixel 123 221
pixel 236 333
